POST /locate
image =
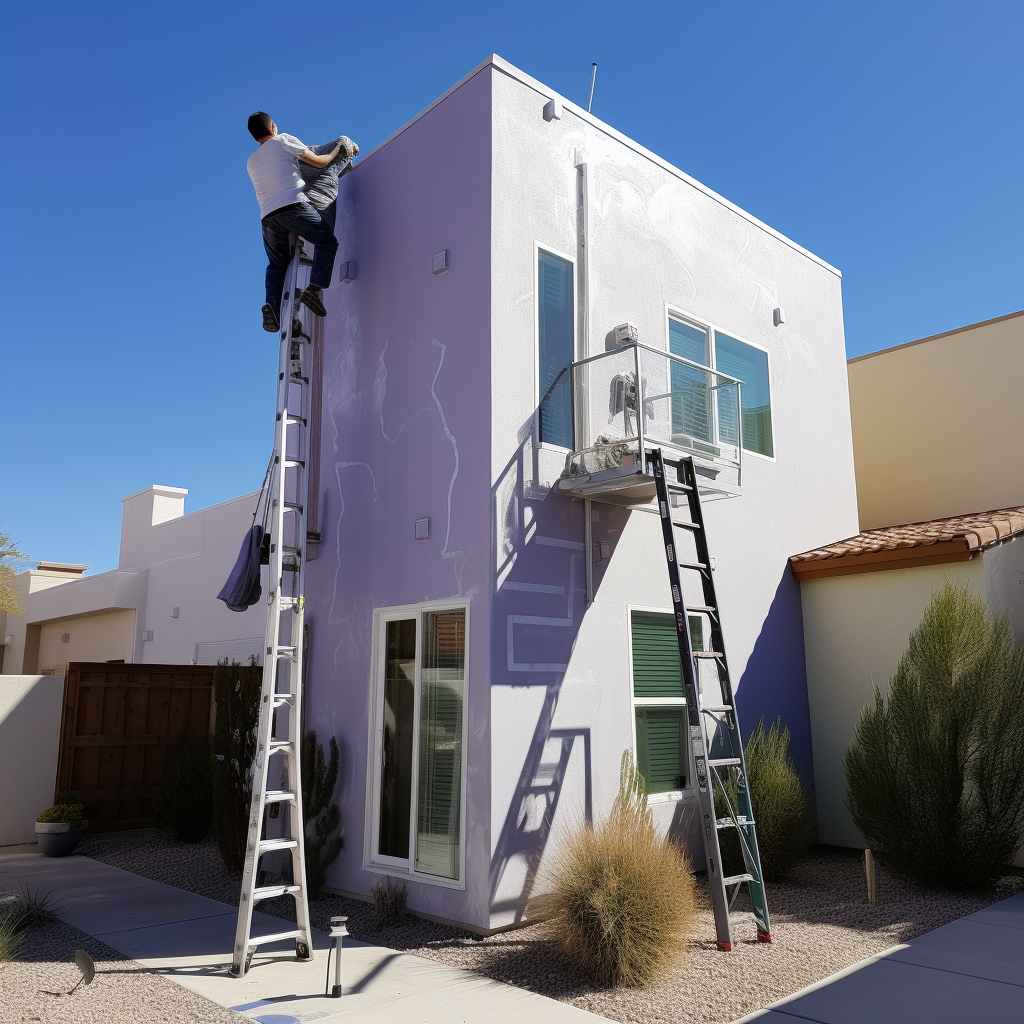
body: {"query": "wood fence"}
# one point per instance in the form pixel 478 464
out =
pixel 118 725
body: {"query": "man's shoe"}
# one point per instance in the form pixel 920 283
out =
pixel 270 321
pixel 311 297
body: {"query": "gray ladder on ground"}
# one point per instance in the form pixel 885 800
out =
pixel 714 727
pixel 279 737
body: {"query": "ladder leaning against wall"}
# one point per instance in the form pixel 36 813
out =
pixel 279 736
pixel 719 761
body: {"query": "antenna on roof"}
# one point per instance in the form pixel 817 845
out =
pixel 593 79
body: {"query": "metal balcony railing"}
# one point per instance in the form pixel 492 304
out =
pixel 610 409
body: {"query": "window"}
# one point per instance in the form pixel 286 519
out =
pixel 659 702
pixel 555 346
pixel 694 414
pixel 750 365
pixel 420 735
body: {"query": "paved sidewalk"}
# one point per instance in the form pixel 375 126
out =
pixel 970 971
pixel 189 938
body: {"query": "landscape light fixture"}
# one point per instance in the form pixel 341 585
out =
pixel 339 929
pixel 84 963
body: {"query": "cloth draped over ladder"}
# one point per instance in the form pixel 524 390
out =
pixel 243 588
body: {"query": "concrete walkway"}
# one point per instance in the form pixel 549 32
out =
pixel 189 938
pixel 970 971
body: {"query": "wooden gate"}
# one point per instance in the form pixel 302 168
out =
pixel 118 724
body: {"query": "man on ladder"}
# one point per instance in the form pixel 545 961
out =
pixel 285 210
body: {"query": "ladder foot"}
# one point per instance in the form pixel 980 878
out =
pixel 302 951
pixel 763 937
pixel 726 947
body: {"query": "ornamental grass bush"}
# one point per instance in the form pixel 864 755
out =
pixel 622 895
pixel 934 772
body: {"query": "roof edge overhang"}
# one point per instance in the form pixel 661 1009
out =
pixel 941 553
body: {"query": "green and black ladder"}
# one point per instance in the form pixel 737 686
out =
pixel 719 763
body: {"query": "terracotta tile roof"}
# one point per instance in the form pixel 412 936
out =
pixel 955 539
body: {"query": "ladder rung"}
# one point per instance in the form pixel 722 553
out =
pixel 716 708
pixel 260 940
pixel 685 526
pixel 742 820
pixel 708 654
pixel 270 845
pixel 292 506
pixel 294 463
pixel 736 879
pixel 269 892
pixel 284 651
pixel 279 746
pixel 293 420
pixel 276 796
pixel 724 762
pixel 707 609
pixel 677 486
pixel 699 566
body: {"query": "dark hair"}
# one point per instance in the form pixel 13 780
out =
pixel 259 125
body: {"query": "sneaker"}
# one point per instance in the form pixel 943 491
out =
pixel 312 297
pixel 270 321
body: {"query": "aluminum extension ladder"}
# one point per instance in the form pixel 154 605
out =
pixel 715 740
pixel 280 723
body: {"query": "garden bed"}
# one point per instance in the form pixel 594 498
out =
pixel 821 923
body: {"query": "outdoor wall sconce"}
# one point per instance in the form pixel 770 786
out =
pixel 421 529
pixel 347 274
pixel 147 634
pixel 778 316
pixel 553 110
pixel 175 612
pixel 65 638
pixel 440 264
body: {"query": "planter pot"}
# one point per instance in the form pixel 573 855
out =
pixel 56 839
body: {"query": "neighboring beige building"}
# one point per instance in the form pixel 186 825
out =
pixel 863 597
pixel 937 424
pixel 158 607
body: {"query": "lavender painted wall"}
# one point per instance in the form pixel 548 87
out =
pixel 406 435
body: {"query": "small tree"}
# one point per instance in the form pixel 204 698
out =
pixel 318 781
pixel 184 799
pixel 934 774
pixel 236 690
pixel 8 553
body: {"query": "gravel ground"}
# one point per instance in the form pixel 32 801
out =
pixel 122 992
pixel 821 923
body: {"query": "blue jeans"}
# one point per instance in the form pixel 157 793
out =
pixel 302 220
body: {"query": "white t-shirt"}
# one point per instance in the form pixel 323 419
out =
pixel 274 169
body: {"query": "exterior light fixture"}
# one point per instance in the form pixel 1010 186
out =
pixel 440 264
pixel 421 529
pixel 778 316
pixel 553 110
pixel 347 274
pixel 626 334
pixel 175 612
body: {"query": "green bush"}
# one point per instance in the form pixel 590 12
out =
pixel 934 773
pixel 236 691
pixel 72 813
pixel 623 895
pixel 183 802
pixel 319 778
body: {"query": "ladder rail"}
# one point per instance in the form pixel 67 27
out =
pixel 706 769
pixel 283 657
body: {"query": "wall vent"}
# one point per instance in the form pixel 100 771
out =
pixel 65 638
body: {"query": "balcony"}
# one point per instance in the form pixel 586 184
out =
pixel 613 408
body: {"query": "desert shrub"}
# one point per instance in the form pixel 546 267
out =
pixel 777 797
pixel 236 690
pixel 622 895
pixel 72 813
pixel 321 817
pixel 388 900
pixel 934 773
pixel 26 909
pixel 183 802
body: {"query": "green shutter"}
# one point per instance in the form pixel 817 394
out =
pixel 661 747
pixel 656 671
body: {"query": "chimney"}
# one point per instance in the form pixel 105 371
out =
pixel 142 511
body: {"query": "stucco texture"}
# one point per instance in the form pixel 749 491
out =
pixel 405 437
pixel 560 670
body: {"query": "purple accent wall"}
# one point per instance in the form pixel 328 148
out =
pixel 406 435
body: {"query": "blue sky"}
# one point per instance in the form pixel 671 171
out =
pixel 887 138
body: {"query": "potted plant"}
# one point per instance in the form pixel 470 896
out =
pixel 59 828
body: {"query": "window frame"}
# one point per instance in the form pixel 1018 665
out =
pixel 372 859
pixel 689 794
pixel 537 395
pixel 673 312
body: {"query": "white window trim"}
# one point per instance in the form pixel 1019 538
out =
pixel 677 313
pixel 537 247
pixel 688 795
pixel 372 860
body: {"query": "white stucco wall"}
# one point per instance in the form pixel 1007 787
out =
pixel 30 709
pixel 656 240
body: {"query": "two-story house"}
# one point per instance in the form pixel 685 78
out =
pixel 528 301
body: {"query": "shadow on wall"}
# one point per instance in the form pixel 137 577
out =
pixel 774 683
pixel 538 606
